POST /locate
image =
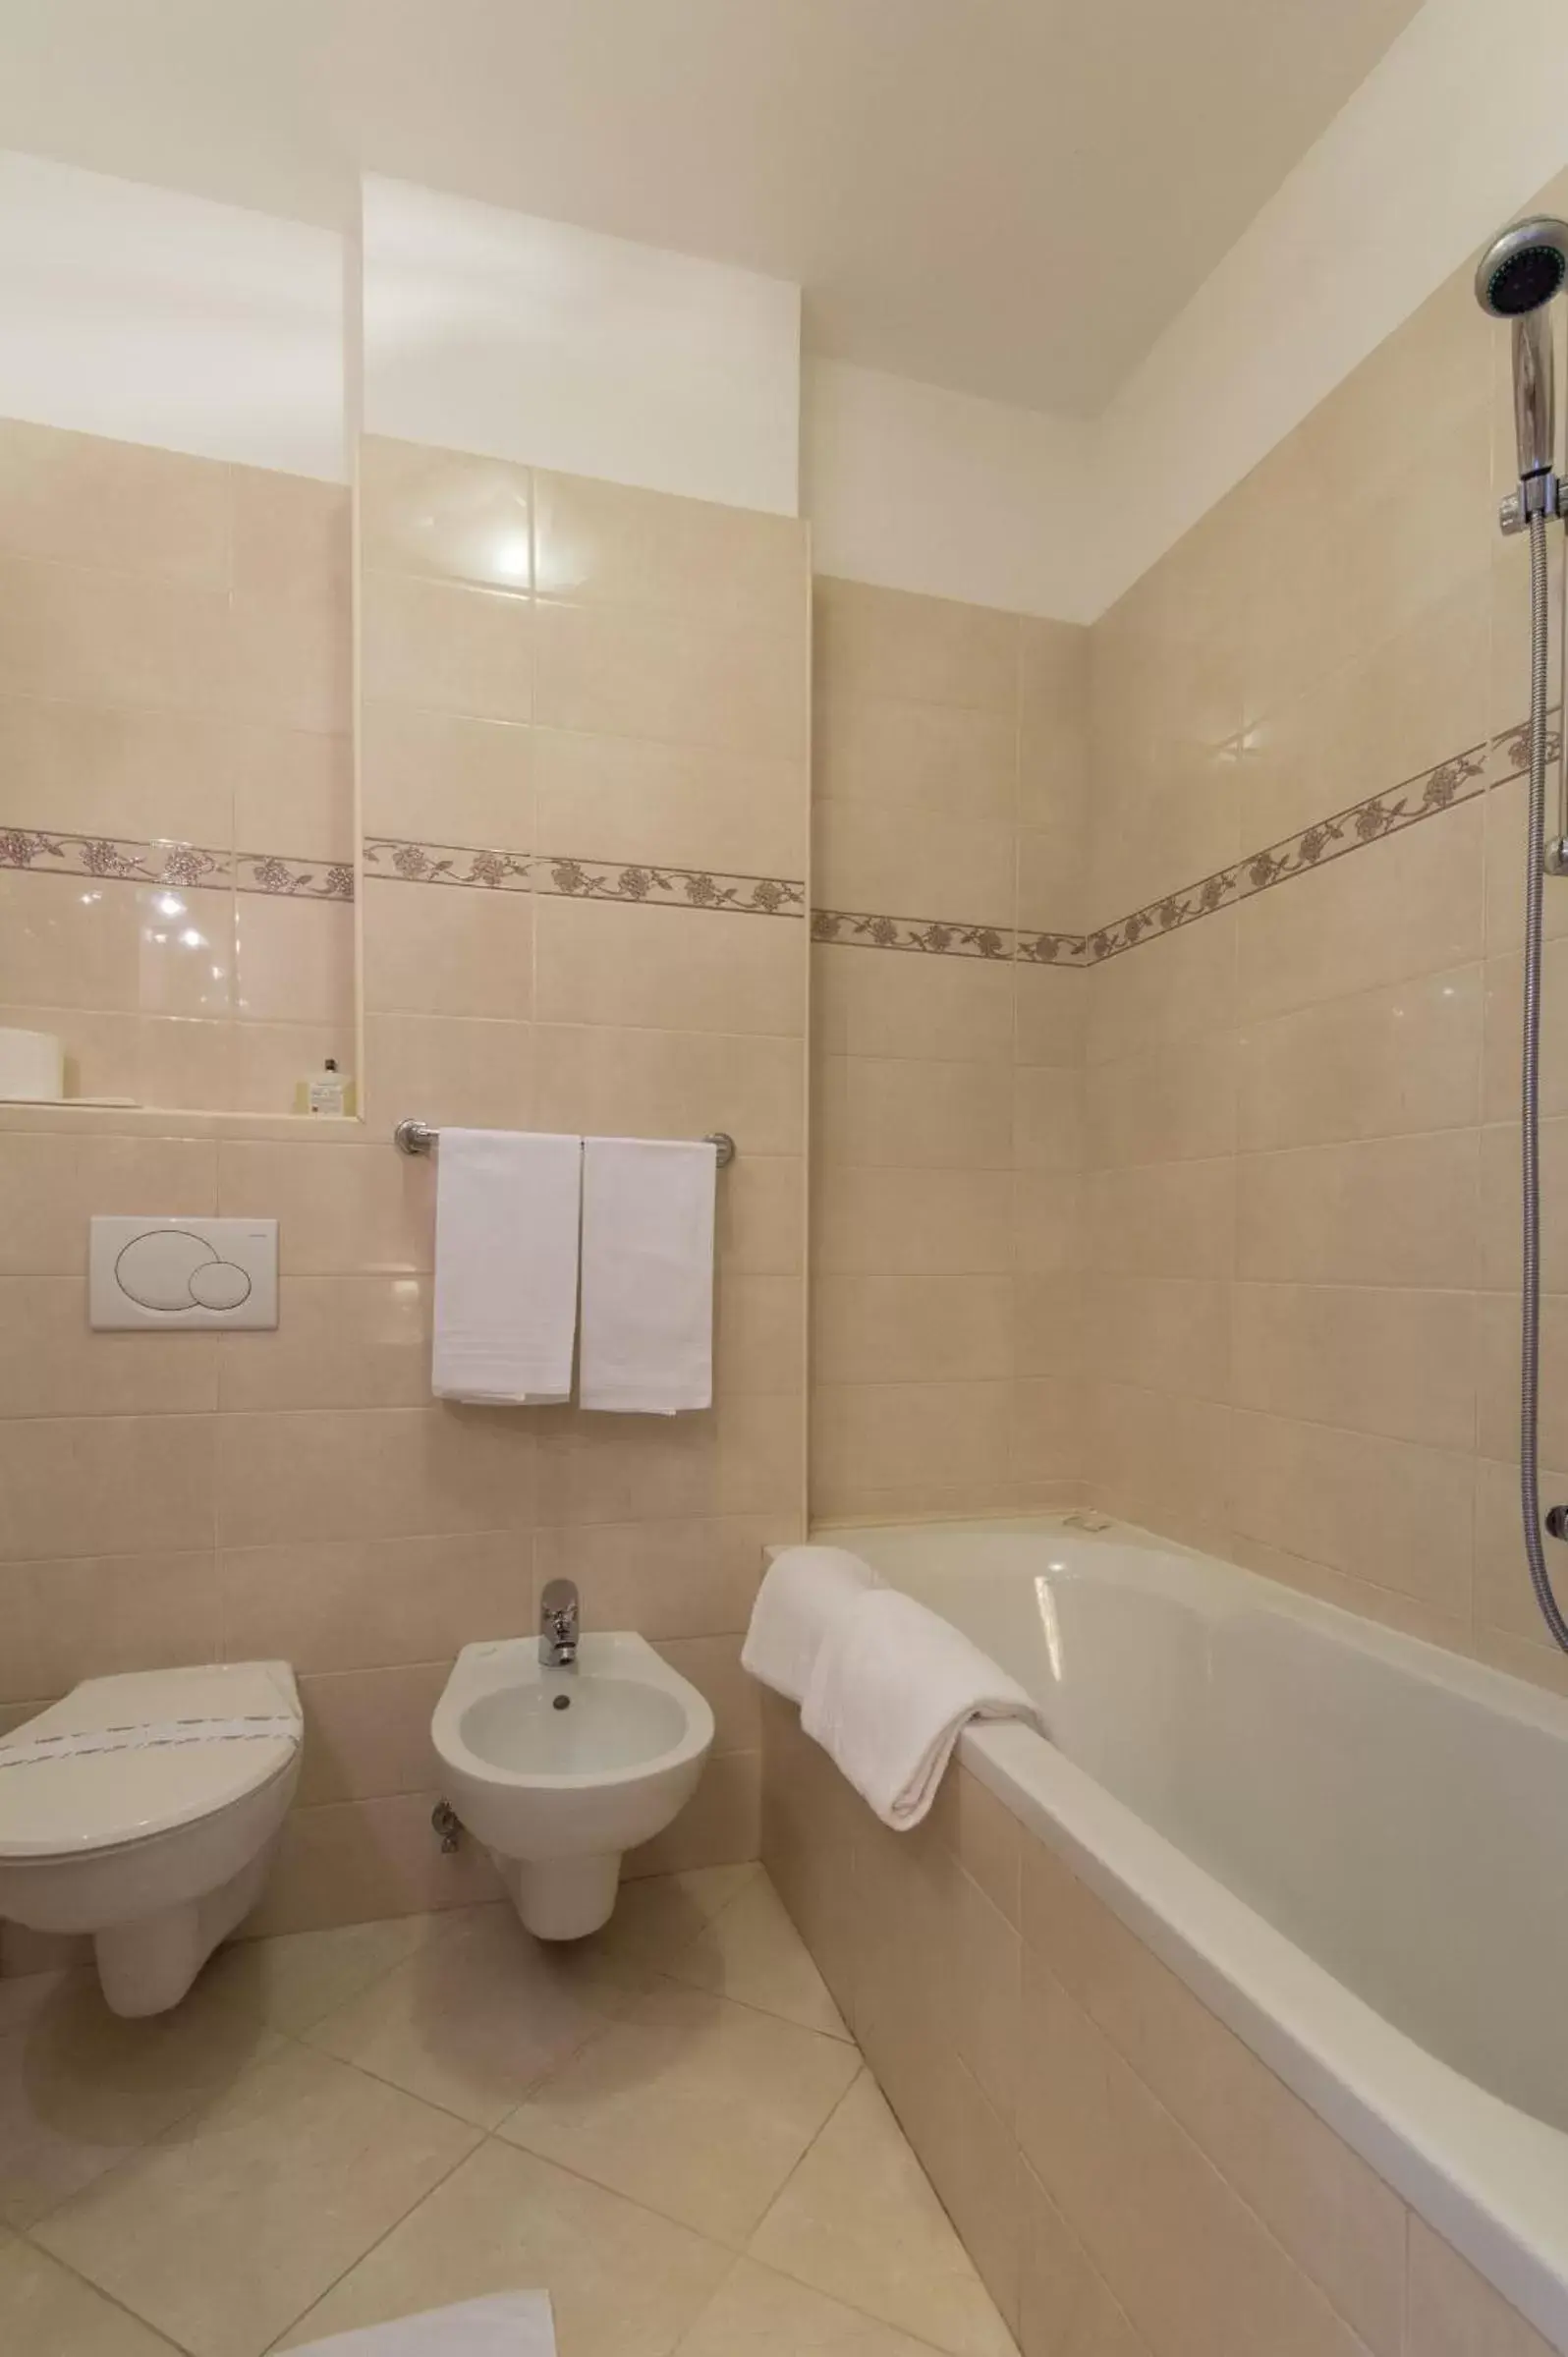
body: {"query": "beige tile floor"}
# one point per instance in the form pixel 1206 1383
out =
pixel 667 2127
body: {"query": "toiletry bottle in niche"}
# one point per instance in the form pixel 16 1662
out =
pixel 328 1090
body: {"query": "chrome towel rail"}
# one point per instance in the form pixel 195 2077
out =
pixel 419 1137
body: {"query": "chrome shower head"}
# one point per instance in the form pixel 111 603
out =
pixel 1516 279
pixel 1523 269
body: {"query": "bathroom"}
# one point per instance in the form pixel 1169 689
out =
pixel 558 577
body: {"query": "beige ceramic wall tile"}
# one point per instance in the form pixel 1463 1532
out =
pixel 874 642
pixel 1065 2309
pixel 108 639
pixel 441 777
pixel 1380 1509
pixel 1177 1105
pixel 1162 1220
pixel 348 1862
pixel 672 969
pixel 868 857
pixel 1504 1025
pixel 1335 2216
pixel 885 1437
pixel 893 754
pixel 914 1222
pixel 1406 906
pixel 612 543
pixel 447 1068
pixel 51 1183
pixel 447 647
pixel 1176 986
pixel 104 1485
pixel 675 1579
pixel 1375 1064
pixel 721 1824
pixel 368 1731
pixel 1391 1212
pixel 448 950
pixel 292 961
pixel 95 1616
pixel 1052 1004
pixel 1191 2247
pixel 123 507
pixel 65 946
pixel 628 800
pixel 906 1113
pixel 885 1329
pixel 368 1210
pixel 448 514
pixel 1497 1317
pixel 1054 748
pixel 1377 1357
pixel 290 660
pixel 292 791
pixel 871 1002
pixel 634 672
pixel 608 1080
pixel 1170 1334
pixel 1453 2313
pixel 335 1604
pixel 376 1473
pixel 99 770
pixel 51 1364
pixel 340 1342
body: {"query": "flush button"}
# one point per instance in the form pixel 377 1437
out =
pixel 169 1274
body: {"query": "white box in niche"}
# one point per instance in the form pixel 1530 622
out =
pixel 152 1272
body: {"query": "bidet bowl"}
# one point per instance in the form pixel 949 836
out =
pixel 559 1771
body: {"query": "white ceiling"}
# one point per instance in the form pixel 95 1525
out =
pixel 1007 197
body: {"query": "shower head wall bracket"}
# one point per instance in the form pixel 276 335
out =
pixel 1543 494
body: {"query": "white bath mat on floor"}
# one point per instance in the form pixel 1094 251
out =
pixel 514 2324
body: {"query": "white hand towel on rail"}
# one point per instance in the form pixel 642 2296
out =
pixel 508 1208
pixel 804 1591
pixel 891 1691
pixel 647 1274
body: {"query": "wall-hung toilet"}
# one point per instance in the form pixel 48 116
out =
pixel 559 1770
pixel 144 1810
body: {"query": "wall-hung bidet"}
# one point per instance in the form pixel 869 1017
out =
pixel 1518 278
pixel 146 1809
pixel 558 1753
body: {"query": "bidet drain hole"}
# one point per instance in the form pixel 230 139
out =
pixel 563 1701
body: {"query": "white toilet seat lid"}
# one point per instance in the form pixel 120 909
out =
pixel 161 1749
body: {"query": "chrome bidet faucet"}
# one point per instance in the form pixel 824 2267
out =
pixel 559 1618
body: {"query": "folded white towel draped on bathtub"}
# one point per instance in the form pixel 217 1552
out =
pixel 804 1591
pixel 891 1691
pixel 510 2323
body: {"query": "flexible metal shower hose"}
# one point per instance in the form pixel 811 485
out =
pixel 1529 1321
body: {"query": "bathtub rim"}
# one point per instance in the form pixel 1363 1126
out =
pixel 1489 2179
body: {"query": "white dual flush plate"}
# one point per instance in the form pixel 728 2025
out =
pixel 182 1274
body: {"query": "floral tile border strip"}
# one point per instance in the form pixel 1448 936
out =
pixel 560 877
pixel 393 861
pixel 859 929
pixel 119 859
pixel 1458 779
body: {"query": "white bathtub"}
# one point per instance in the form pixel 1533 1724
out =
pixel 1352 1846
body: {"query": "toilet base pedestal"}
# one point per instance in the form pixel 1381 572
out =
pixel 145 1966
pixel 562 1898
